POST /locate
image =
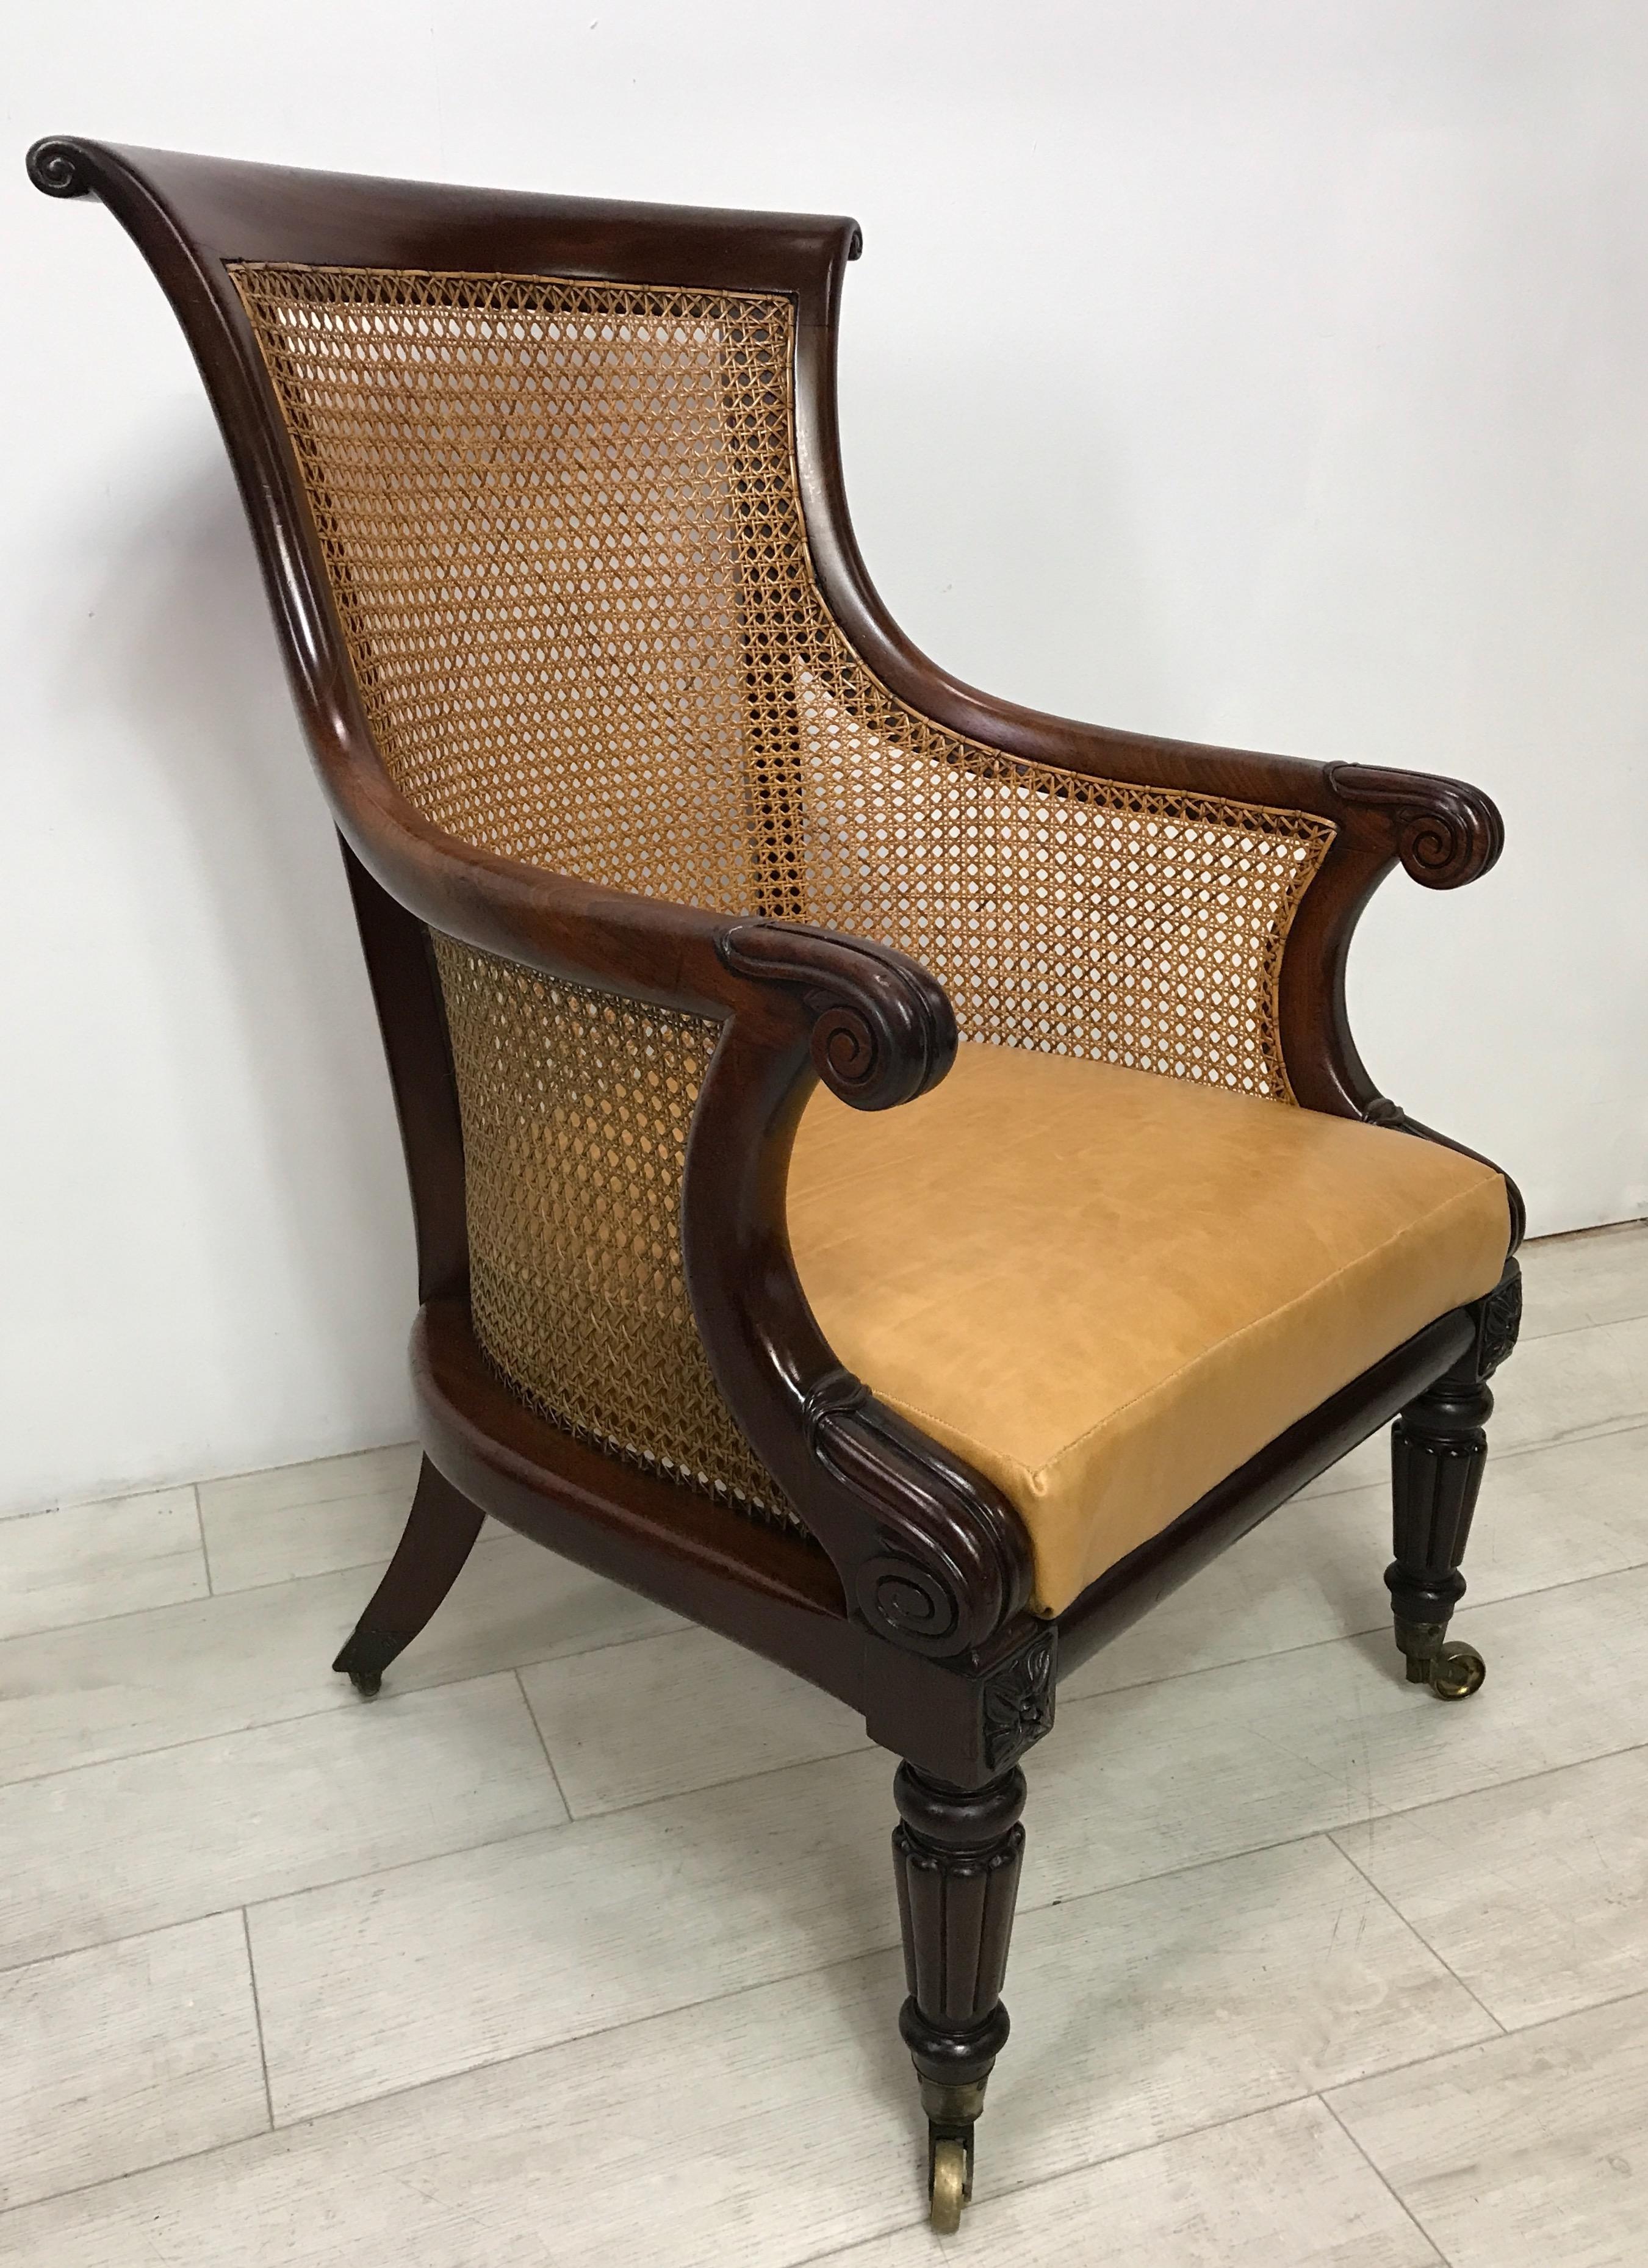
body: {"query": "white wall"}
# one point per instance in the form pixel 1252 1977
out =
pixel 1266 373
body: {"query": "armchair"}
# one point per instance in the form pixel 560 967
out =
pixel 893 1177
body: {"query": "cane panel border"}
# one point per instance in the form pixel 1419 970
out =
pixel 562 528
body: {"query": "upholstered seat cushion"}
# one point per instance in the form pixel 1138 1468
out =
pixel 1109 1289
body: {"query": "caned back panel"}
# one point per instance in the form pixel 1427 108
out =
pixel 564 537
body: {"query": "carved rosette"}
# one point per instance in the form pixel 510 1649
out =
pixel 1446 833
pixel 1502 1321
pixel 883 1029
pixel 1018 1702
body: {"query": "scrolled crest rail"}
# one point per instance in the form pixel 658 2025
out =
pixel 59 169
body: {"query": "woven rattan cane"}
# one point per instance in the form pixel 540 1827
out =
pixel 564 538
pixel 575 1107
pixel 563 535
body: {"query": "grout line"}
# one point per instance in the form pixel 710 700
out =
pixel 275 1583
pixel 1408 1922
pixel 1066 2173
pixel 521 1687
pixel 1511 2038
pixel 200 1529
pixel 121 1937
pixel 341 1702
pixel 132 2174
pixel 1606 1430
pixel 1327 1835
pixel 680 1622
pixel 314 2119
pixel 1380 1629
pixel 1562 1330
pixel 1487 1787
pixel 1380 2177
pixel 1595 1228
pixel 1073 1702
pixel 257 2010
pixel 483 1542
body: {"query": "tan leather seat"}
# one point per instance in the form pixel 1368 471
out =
pixel 1109 1289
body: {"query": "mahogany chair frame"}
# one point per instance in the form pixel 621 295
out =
pixel 911 1604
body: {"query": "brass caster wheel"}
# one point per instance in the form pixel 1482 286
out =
pixel 1455 1671
pixel 949 2185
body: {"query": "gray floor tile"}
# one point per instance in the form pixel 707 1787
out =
pixel 780 2122
pixel 219 1665
pixel 682 1710
pixel 1597 1276
pixel 1284 2189
pixel 1536 1894
pixel 126 2055
pixel 307 1519
pixel 90 1560
pixel 1523 2153
pixel 144 1841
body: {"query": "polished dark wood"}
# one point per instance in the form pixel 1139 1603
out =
pixel 1438 1449
pixel 440 1532
pixel 406 991
pixel 956 1860
pixel 909 1597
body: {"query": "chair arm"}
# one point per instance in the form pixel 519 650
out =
pixel 1443 832
pixel 930 1552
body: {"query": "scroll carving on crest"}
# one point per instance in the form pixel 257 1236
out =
pixel 59 169
pixel 1447 832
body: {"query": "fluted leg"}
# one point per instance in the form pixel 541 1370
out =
pixel 441 1528
pixel 956 1857
pixel 1437 1451
pixel 1438 1448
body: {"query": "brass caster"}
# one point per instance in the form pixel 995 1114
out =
pixel 1455 1671
pixel 949 2184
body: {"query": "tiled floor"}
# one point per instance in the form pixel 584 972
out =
pixel 577 1945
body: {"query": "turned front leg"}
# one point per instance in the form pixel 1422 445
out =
pixel 956 1856
pixel 1439 1447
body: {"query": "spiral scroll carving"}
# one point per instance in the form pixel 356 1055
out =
pixel 1447 832
pixel 59 169
pixel 952 1563
pixel 883 1030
